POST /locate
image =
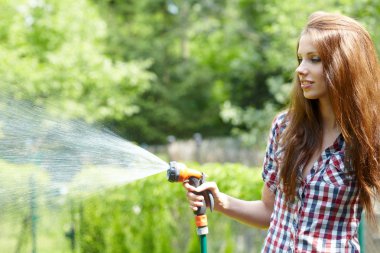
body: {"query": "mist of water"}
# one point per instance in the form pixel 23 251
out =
pixel 62 157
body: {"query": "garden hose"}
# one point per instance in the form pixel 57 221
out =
pixel 178 172
pixel 203 240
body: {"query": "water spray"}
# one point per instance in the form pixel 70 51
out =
pixel 47 159
pixel 178 172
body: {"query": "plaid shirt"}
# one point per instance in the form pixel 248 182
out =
pixel 325 215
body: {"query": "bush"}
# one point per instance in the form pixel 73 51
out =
pixel 152 215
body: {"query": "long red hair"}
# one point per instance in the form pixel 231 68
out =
pixel 352 76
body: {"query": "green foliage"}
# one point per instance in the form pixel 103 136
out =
pixel 252 125
pixel 274 24
pixel 52 54
pixel 90 233
pixel 12 196
pixel 149 69
pixel 208 54
pixel 182 99
pixel 24 187
pixel 152 215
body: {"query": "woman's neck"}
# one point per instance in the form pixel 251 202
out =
pixel 327 115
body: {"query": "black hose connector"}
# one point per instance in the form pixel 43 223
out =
pixel 172 172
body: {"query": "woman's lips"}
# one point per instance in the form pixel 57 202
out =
pixel 306 84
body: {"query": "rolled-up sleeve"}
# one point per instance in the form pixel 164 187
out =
pixel 271 161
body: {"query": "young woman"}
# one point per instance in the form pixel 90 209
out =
pixel 321 167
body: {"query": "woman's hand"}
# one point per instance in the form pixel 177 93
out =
pixel 196 201
pixel 255 213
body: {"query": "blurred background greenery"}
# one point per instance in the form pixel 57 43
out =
pixel 147 69
pixel 148 215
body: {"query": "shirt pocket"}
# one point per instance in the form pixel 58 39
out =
pixel 335 175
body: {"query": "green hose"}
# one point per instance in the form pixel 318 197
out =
pixel 203 243
pixel 361 233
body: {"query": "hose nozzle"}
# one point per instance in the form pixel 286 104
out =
pixel 178 172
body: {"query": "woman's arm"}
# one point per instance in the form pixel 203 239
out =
pixel 255 213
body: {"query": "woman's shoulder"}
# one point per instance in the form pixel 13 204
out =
pixel 280 121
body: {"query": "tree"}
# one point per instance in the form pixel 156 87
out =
pixel 183 99
pixel 53 54
pixel 277 30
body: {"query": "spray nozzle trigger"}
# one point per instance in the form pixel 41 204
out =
pixel 209 198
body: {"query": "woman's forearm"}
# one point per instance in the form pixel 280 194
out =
pixel 255 213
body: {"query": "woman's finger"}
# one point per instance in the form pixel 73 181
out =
pixel 194 197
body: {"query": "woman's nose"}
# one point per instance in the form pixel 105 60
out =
pixel 301 69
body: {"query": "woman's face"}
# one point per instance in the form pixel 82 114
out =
pixel 310 70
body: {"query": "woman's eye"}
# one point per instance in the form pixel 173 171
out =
pixel 315 59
